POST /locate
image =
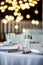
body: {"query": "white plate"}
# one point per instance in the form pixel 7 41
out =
pixel 37 51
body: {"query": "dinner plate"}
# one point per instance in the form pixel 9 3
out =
pixel 37 51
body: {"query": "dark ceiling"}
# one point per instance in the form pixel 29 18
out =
pixel 26 11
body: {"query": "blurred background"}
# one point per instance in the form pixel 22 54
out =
pixel 18 15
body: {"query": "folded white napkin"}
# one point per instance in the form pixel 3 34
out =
pixel 7 43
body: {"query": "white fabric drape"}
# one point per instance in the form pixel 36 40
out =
pixel 20 59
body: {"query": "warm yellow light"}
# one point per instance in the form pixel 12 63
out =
pixel 19 14
pixel 35 2
pixel 27 16
pixel 23 30
pixel 6 17
pixel 16 10
pixel 33 21
pixel 4 21
pixel 15 13
pixel 22 6
pixel 6 0
pixel 2 3
pixel 18 7
pixel 10 2
pixel 2 9
pixel 26 6
pixel 11 8
pixel 14 3
pixel 25 0
pixel 20 2
pixel 32 4
pixel 37 22
pixel 19 18
pixel 9 17
pixel 5 6
pixel 16 26
pixel 38 0
pixel 30 0
pixel 36 11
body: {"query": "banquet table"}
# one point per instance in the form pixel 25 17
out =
pixel 20 59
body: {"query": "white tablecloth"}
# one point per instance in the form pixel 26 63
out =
pixel 20 59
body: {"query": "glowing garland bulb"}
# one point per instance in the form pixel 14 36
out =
pixel 33 21
pixel 11 8
pixel 23 30
pixel 15 13
pixel 4 21
pixel 7 1
pixel 32 4
pixel 10 1
pixel 20 2
pixel 38 0
pixel 9 17
pixel 26 6
pixel 6 17
pixel 5 6
pixel 25 0
pixel 1 7
pixel 3 10
pixel 16 26
pixel 19 14
pixel 36 11
pixel 16 10
pixel 17 20
pixel 30 0
pixel 2 3
pixel 37 22
pixel 22 6
pixel 27 16
pixel 35 2
pixel 18 7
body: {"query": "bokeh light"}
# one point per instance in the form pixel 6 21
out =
pixel 16 26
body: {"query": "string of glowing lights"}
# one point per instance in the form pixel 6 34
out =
pixel 16 5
